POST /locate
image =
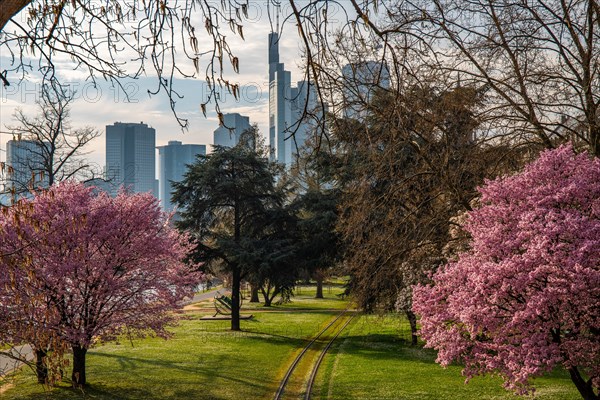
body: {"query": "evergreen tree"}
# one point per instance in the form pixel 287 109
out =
pixel 227 200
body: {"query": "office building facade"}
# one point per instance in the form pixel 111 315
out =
pixel 131 157
pixel 25 161
pixel 173 160
pixel 228 134
pixel 280 110
pixel 291 109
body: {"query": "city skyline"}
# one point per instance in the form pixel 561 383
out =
pixel 103 105
pixel 285 104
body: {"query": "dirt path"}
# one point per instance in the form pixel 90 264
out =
pixel 9 364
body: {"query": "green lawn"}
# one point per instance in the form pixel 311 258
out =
pixel 373 360
pixel 304 299
pixel 204 360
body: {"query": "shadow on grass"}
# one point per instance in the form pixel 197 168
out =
pixel 133 364
pixel 105 392
pixel 176 381
pixel 384 347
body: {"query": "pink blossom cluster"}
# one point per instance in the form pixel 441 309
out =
pixel 84 266
pixel 525 297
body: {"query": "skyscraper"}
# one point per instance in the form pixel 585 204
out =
pixel 280 110
pixel 130 157
pixel 172 162
pixel 25 161
pixel 306 114
pixel 229 133
pixel 361 81
pixel 290 109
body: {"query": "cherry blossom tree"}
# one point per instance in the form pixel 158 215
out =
pixel 83 267
pixel 525 297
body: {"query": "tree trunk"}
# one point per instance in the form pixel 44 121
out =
pixel 265 294
pixel 254 294
pixel 412 319
pixel 319 294
pixel 78 376
pixel 41 369
pixel 235 298
pixel 9 9
pixel 585 388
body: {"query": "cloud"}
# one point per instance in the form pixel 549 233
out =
pixel 103 104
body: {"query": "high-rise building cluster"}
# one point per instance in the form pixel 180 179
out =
pixel 130 160
pixel 131 154
pixel 131 147
pixel 295 111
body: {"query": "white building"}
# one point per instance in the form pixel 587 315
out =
pixel 173 160
pixel 130 157
pixel 228 134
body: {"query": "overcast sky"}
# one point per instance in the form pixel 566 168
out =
pixel 104 105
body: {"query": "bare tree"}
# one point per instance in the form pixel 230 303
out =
pixel 45 148
pixel 120 39
pixel 415 165
pixel 538 61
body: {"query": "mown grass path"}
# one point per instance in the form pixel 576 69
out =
pixel 304 363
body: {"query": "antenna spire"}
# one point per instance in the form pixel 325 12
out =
pixel 278 11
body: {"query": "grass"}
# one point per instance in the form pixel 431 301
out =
pixel 373 360
pixel 204 360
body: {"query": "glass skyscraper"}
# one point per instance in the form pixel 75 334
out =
pixel 26 169
pixel 228 134
pixel 130 157
pixel 290 109
pixel 280 111
pixel 173 160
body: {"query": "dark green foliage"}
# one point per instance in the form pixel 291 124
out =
pixel 227 200
pixel 319 247
pixel 235 209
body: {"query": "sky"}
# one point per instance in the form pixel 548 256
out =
pixel 102 105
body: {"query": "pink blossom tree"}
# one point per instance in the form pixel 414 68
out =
pixel 525 297
pixel 95 267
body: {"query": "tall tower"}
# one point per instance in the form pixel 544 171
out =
pixel 130 157
pixel 280 112
pixel 173 160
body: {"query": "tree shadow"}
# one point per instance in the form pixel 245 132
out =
pixel 389 347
